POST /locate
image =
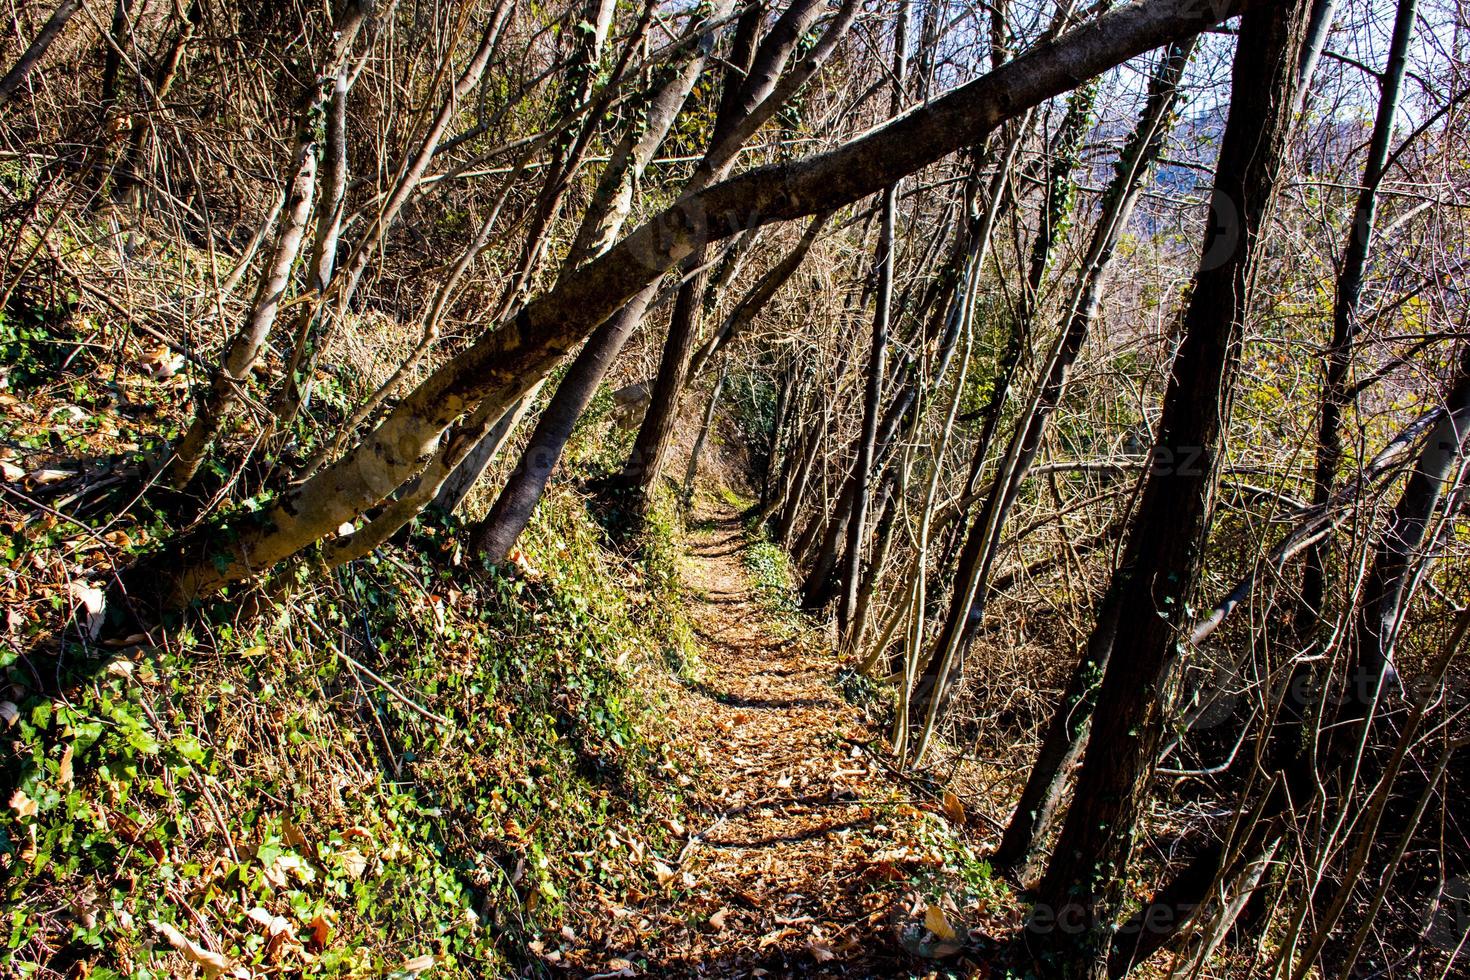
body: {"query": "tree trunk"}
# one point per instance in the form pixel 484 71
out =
pixel 946 663
pixel 226 388
pixel 1047 779
pixel 16 76
pixel 1350 280
pixel 744 107
pixel 1083 883
pixel 501 528
pixel 706 423
pixel 884 260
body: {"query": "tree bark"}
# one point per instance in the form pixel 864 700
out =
pixel 226 388
pixel 885 261
pixel 502 526
pixel 946 662
pixel 754 101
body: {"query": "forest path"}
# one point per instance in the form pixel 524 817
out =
pixel 779 878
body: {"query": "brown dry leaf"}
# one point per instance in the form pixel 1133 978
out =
pixel 663 872
pixel 935 922
pixel 288 866
pixel 11 473
pixel 9 713
pixel 717 921
pixel 954 809
pixel 162 363
pixel 319 930
pixel 419 964
pixel 771 938
pixel 63 769
pixel 94 602
pixel 22 804
pixel 212 963
pixel 291 833
pixel 820 953
pixel 279 931
pixel 354 862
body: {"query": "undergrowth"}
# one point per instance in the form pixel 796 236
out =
pixel 405 759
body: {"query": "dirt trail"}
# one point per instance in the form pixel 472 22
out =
pixel 778 879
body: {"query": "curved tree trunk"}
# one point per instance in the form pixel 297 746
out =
pixel 1062 741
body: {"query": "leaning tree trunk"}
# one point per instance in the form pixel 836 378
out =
pixel 1295 743
pixel 501 528
pixel 745 106
pixel 945 665
pixel 885 261
pixel 612 201
pixel 1062 740
pixel 54 25
pixel 1154 583
pixel 502 365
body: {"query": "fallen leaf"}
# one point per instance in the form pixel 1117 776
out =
pixel 291 833
pixel 954 809
pixel 319 931
pixel 162 363
pixel 63 768
pixel 9 713
pixel 288 866
pixel 354 862
pixel 663 872
pixel 936 923
pixel 94 602
pixel 22 804
pixel 43 477
pixel 279 930
pixel 419 964
pixel 820 953
pixel 717 921
pixel 11 473
pixel 211 963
